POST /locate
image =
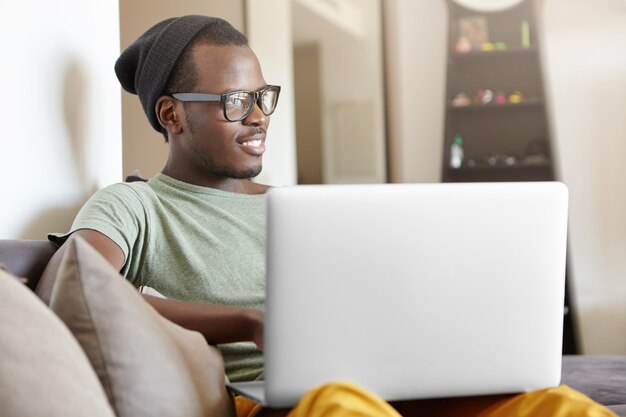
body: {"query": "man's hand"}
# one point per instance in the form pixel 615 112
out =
pixel 256 321
pixel 218 323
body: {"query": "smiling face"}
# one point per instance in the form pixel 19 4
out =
pixel 208 149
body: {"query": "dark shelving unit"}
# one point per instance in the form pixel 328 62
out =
pixel 504 139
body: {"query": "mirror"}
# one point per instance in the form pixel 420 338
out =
pixel 339 93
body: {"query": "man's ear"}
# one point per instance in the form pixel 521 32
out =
pixel 167 112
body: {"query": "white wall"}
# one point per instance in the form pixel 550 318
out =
pixel 415 40
pixel 268 26
pixel 586 71
pixel 61 98
pixel 585 46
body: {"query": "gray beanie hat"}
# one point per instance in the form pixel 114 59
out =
pixel 145 66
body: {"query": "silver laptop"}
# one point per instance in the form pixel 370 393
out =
pixel 413 290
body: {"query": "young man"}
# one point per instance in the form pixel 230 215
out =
pixel 195 232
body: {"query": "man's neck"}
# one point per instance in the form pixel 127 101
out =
pixel 233 185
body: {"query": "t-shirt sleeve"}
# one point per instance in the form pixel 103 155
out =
pixel 115 211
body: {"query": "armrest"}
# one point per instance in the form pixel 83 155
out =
pixel 26 258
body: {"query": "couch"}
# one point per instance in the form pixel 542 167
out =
pixel 603 378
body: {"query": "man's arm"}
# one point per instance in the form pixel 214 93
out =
pixel 218 323
pixel 107 248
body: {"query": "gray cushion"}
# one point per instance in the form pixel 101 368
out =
pixel 147 365
pixel 602 378
pixel 26 258
pixel 620 410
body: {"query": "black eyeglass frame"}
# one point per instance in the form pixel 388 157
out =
pixel 221 98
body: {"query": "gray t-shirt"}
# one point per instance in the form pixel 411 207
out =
pixel 189 243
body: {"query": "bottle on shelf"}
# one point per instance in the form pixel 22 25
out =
pixel 456 152
pixel 525 34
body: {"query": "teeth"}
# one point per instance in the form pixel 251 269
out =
pixel 256 142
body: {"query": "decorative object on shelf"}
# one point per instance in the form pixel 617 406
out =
pixel 537 152
pixel 516 97
pixel 456 152
pixel 491 159
pixel 461 100
pixel 487 96
pixel 487 47
pixel 509 160
pixel 501 46
pixel 474 28
pixel 535 159
pixel 463 45
pixel 525 35
pixel 500 98
pixel 483 96
pixel 497 159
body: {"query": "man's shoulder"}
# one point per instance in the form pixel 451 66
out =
pixel 125 188
pixel 125 193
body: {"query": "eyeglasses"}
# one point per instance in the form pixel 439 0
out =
pixel 238 105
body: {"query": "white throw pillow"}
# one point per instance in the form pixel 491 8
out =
pixel 43 370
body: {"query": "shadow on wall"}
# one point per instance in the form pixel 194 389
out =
pixel 75 90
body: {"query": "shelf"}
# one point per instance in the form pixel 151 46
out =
pixel 508 53
pixel 519 172
pixel 531 102
pixel 540 171
pixel 494 168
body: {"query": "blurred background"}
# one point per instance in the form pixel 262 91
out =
pixel 373 91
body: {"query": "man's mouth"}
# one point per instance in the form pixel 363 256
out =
pixel 253 143
pixel 255 147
